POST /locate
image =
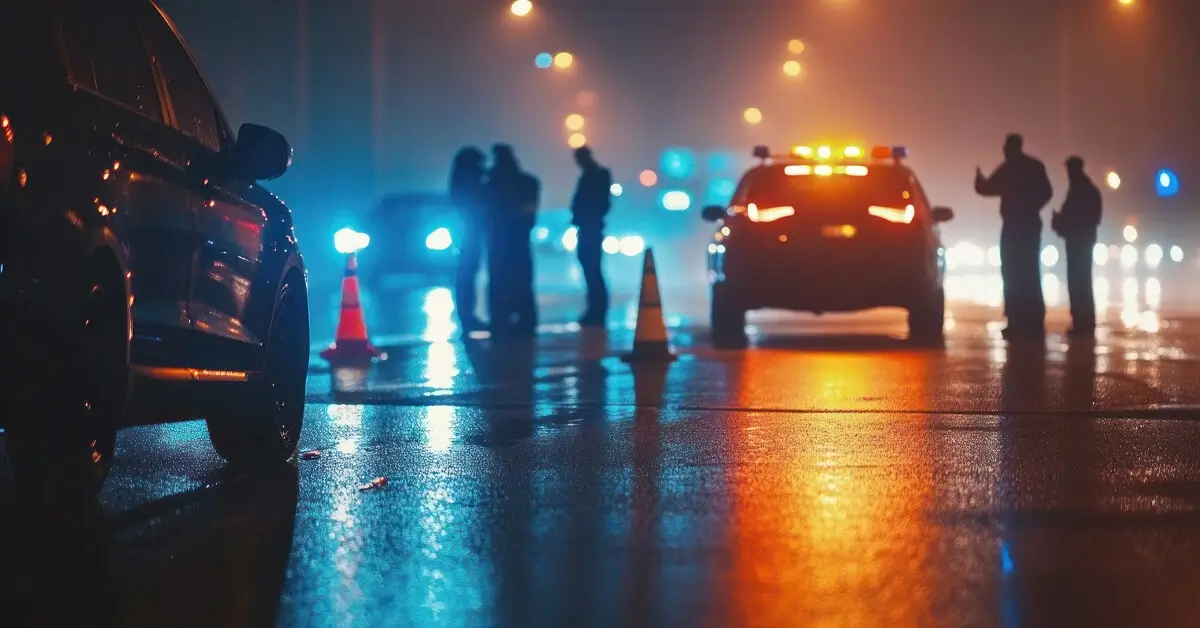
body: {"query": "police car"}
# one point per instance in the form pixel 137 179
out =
pixel 827 229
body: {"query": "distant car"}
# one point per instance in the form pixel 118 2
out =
pixel 145 277
pixel 827 230
pixel 413 233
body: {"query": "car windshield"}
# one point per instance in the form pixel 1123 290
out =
pixel 799 186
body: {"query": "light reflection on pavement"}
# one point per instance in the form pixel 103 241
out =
pixel 833 474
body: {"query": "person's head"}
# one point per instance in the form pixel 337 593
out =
pixel 503 157
pixel 469 162
pixel 1014 145
pixel 584 157
pixel 1074 167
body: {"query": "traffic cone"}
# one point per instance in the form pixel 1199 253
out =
pixel 650 336
pixel 350 346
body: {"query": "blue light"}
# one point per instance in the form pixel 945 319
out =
pixel 347 241
pixel 899 152
pixel 1166 183
pixel 719 192
pixel 678 163
pixel 676 200
pixel 543 60
pixel 439 240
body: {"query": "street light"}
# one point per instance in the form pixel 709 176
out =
pixel 792 68
pixel 577 140
pixel 564 60
pixel 1113 180
pixel 752 115
pixel 521 8
pixel 574 122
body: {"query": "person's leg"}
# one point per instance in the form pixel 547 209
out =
pixel 499 281
pixel 1079 285
pixel 469 256
pixel 1035 299
pixel 591 255
pixel 1008 261
pixel 526 298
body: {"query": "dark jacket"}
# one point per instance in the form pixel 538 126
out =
pixel 1080 214
pixel 593 198
pixel 513 198
pixel 1023 187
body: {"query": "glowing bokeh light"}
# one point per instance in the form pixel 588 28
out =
pixel 1176 254
pixel 632 245
pixel 577 140
pixel 795 46
pixel 1154 255
pixel 1166 183
pixel 752 115
pixel 574 122
pixel 1113 180
pixel 439 240
pixel 1100 254
pixel 543 60
pixel 521 8
pixel 1050 256
pixel 648 178
pixel 792 68
pixel 1130 234
pixel 611 245
pixel 676 200
pixel 616 189
pixel 564 60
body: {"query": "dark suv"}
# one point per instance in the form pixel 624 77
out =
pixel 827 230
pixel 144 276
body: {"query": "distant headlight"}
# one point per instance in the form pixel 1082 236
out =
pixel 439 240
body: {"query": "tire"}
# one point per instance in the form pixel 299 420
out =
pixel 61 442
pixel 926 321
pixel 727 319
pixel 266 429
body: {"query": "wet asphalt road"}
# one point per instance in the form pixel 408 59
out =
pixel 832 475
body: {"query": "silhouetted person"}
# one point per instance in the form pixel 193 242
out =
pixel 1077 223
pixel 589 206
pixel 1024 189
pixel 513 197
pixel 468 194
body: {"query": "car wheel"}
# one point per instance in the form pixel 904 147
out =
pixel 728 319
pixel 62 440
pixel 266 430
pixel 926 321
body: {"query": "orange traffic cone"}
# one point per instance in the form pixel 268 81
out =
pixel 650 337
pixel 350 345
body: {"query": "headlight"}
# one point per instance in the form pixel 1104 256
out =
pixel 439 240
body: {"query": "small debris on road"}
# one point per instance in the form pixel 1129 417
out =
pixel 378 482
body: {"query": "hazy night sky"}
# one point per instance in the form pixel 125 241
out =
pixel 377 95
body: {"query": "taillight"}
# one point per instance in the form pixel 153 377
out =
pixel 764 214
pixel 892 214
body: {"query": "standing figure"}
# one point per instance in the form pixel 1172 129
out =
pixel 1077 224
pixel 592 200
pixel 513 197
pixel 1024 189
pixel 467 193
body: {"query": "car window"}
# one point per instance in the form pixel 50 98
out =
pixel 191 101
pixel 105 53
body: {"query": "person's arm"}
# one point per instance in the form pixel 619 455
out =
pixel 993 185
pixel 1043 189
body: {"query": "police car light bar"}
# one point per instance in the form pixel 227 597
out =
pixel 889 152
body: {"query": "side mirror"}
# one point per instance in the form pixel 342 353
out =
pixel 713 213
pixel 261 154
pixel 943 214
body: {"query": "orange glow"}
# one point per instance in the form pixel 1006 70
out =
pixel 574 122
pixel 891 214
pixel 768 214
pixel 824 152
pixel 564 60
pixel 792 68
pixel 881 152
pixel 823 171
pixel 797 171
pixel 795 46
pixel 803 151
pixel 839 231
pixel 4 122
pixel 648 178
pixel 852 152
pixel 752 115
pixel 47 138
pixel 577 140
pixel 521 8
pixel 857 171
